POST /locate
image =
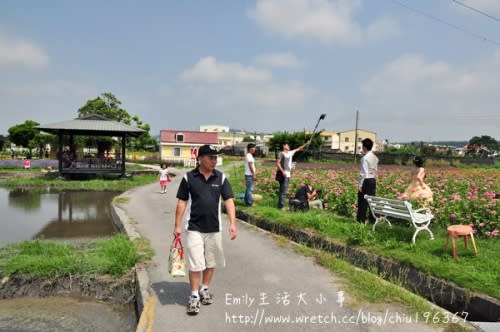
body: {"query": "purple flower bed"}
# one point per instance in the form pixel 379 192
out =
pixel 34 163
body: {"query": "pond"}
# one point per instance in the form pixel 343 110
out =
pixel 71 216
pixel 54 214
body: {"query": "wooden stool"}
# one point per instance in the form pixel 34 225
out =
pixel 455 232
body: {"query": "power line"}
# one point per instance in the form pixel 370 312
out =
pixel 454 26
pixel 476 10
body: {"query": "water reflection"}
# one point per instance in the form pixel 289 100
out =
pixel 25 199
pixel 49 214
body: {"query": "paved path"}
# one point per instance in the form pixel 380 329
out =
pixel 265 281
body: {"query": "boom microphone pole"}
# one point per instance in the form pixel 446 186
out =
pixel 321 117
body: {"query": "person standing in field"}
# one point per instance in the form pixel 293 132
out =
pixel 367 180
pixel 284 165
pixel 250 176
pixel 201 192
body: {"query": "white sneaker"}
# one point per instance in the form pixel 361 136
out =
pixel 206 297
pixel 193 307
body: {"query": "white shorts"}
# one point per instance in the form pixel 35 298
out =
pixel 203 250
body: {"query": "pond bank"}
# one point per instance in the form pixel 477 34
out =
pixel 100 288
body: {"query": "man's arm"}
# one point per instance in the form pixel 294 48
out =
pixel 251 168
pixel 362 173
pixel 278 163
pixel 179 213
pixel 231 213
pixel 300 148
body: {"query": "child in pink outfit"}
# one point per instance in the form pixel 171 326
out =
pixel 163 176
pixel 26 163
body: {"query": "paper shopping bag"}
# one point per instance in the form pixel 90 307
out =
pixel 176 261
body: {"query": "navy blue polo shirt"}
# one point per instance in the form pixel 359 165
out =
pixel 204 196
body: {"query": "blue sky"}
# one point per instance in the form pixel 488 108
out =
pixel 267 66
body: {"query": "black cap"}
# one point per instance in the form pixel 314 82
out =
pixel 207 150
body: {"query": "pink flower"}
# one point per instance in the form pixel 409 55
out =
pixel 481 224
pixel 453 216
pixel 489 195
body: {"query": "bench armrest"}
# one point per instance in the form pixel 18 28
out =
pixel 427 210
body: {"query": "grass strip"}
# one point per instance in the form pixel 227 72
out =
pixel 114 256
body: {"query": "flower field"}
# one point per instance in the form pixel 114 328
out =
pixel 461 196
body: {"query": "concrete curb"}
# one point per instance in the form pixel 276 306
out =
pixel 441 292
pixel 125 225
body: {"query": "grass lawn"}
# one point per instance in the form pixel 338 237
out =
pixel 52 180
pixel 114 256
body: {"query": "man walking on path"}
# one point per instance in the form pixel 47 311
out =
pixel 284 164
pixel 367 180
pixel 250 176
pixel 203 189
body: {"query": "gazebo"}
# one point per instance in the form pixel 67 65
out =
pixel 91 125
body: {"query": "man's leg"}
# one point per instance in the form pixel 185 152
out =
pixel 370 189
pixel 361 215
pixel 282 193
pixel 194 246
pixel 208 273
pixel 194 280
pixel 248 190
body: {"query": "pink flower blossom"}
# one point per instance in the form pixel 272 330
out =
pixel 453 216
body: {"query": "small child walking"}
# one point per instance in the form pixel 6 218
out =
pixel 163 176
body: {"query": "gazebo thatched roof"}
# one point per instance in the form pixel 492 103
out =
pixel 92 125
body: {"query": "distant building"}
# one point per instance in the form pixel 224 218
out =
pixel 214 128
pixel 330 139
pixel 182 145
pixel 347 140
pixel 344 141
pixel 227 137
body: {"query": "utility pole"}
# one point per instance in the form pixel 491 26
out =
pixel 356 137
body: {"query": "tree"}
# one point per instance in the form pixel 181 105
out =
pixel 248 139
pixel 106 105
pixel 3 140
pixel 295 140
pixel 109 106
pixel 482 146
pixel 22 134
pixel 428 150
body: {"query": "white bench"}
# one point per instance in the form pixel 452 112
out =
pixel 381 208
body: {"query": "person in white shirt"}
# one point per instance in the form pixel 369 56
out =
pixel 367 180
pixel 284 164
pixel 250 176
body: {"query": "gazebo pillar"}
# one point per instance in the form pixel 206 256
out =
pixel 124 143
pixel 60 152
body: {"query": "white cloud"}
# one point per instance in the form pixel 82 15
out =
pixel 381 29
pixel 407 93
pixel 210 71
pixel 282 60
pixel 247 101
pixel 324 20
pixel 21 52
